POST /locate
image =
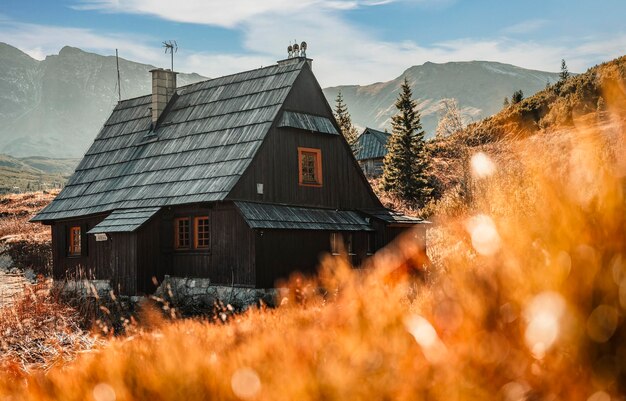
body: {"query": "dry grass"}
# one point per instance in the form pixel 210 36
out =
pixel 27 244
pixel 37 332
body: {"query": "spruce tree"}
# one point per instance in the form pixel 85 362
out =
pixel 406 166
pixel 345 122
pixel 564 72
pixel 506 103
pixel 517 97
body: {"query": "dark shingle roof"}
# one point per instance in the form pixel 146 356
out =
pixel 264 215
pixel 202 146
pixel 124 220
pixel 307 122
pixel 372 144
pixel 390 216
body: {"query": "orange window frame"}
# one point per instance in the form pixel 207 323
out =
pixel 75 241
pixel 205 241
pixel 317 167
pixel 186 243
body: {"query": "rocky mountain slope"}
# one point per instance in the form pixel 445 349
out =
pixel 55 107
pixel 479 87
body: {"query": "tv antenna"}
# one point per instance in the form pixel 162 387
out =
pixel 172 47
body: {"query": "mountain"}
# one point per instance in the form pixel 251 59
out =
pixel 479 87
pixel 33 173
pixel 56 107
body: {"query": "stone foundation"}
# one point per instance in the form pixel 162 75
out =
pixel 84 288
pixel 199 292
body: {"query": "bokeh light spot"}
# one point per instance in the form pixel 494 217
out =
pixel 103 392
pixel 602 323
pixel 482 165
pixel 245 383
pixel 543 314
pixel 485 237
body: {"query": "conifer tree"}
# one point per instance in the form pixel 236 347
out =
pixel 345 122
pixel 506 103
pixel 564 72
pixel 517 97
pixel 406 166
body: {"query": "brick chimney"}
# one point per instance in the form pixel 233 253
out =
pixel 163 88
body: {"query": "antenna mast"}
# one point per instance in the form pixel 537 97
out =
pixel 172 47
pixel 119 87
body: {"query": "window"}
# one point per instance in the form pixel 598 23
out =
pixel 74 248
pixel 334 243
pixel 310 167
pixel 201 229
pixel 371 243
pixel 182 236
pixel 349 244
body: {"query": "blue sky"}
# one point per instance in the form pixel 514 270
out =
pixel 351 41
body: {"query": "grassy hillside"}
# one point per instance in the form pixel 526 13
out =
pixel 33 173
pixel 560 105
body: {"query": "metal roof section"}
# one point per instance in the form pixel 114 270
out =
pixel 270 216
pixel 201 147
pixel 372 144
pixel 123 221
pixel 307 122
pixel 392 217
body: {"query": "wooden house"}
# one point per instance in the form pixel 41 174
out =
pixel 241 179
pixel 371 150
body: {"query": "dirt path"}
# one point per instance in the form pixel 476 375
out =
pixel 11 286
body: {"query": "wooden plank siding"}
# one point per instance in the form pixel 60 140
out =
pixel 93 262
pixel 276 163
pixel 124 263
pixel 230 257
pixel 280 253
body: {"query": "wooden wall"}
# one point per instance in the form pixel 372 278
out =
pixel 94 259
pixel 280 253
pixel 229 259
pixel 124 262
pixel 276 164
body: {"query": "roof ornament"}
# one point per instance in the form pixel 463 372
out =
pixel 303 46
pixel 296 50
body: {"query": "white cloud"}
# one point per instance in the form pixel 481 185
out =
pixel 528 26
pixel 224 13
pixel 343 53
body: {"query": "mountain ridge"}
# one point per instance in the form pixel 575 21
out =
pixel 432 82
pixel 56 106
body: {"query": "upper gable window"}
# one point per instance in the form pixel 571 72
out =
pixel 74 248
pixel 310 167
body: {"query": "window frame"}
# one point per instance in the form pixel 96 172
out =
pixel 196 244
pixel 348 240
pixel 317 167
pixel 73 250
pixel 177 233
pixel 371 243
pixel 335 238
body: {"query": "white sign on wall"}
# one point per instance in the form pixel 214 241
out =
pixel 101 237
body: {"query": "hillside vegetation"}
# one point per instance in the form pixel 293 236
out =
pixel 557 106
pixel 27 174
